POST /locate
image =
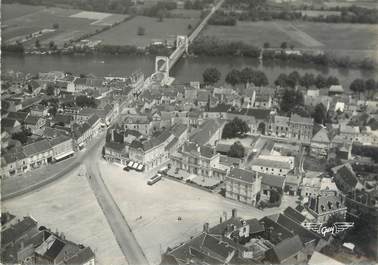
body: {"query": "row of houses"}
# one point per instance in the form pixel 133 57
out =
pixel 23 242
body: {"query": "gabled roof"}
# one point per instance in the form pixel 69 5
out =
pixel 294 215
pixel 32 120
pixel 287 248
pixel 19 116
pixel 304 234
pixel 81 257
pixel 321 136
pixel 272 180
pixel 8 123
pixel 59 139
pixel 206 131
pixel 36 148
pixel 17 230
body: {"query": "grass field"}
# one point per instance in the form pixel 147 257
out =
pixel 72 23
pixel 69 206
pixel 126 33
pixel 354 40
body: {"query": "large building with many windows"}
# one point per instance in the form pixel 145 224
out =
pixel 243 185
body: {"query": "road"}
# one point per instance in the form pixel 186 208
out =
pixel 13 188
pixel 117 222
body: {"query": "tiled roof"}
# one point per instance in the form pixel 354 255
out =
pixel 32 120
pixel 17 230
pixel 178 129
pixel 11 157
pixel 272 180
pixel 259 114
pixel 63 118
pixel 295 118
pixel 206 131
pixel 93 119
pixel 287 248
pixel 255 226
pixel 59 139
pixel 81 257
pixel 204 150
pixel 304 234
pixel 36 148
pixel 8 123
pixel 19 116
pixel 242 174
pixel 294 215
pixel 321 136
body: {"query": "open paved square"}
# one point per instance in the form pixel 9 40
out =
pixel 69 206
pixel 162 203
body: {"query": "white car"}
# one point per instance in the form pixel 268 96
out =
pixel 154 179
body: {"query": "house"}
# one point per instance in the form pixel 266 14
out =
pixel 62 147
pixel 320 143
pixel 116 152
pixel 292 183
pixel 153 152
pixel 64 120
pixel 271 182
pixel 82 134
pixel 300 128
pixel 243 185
pixel 210 132
pixel 345 178
pixel 323 206
pixel 280 126
pixel 311 184
pixel 349 133
pixel 35 124
pixel 18 116
pixel 14 163
pixel 39 110
pixel 140 123
pixel 273 164
pixel 11 126
pixel 22 229
pixel 335 90
pixel 38 153
pixel 288 251
pixel 199 160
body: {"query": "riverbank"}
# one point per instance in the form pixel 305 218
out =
pixel 186 69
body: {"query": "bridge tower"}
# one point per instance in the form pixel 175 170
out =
pixel 183 40
pixel 164 68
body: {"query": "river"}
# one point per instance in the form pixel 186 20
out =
pixel 186 69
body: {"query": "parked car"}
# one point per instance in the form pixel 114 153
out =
pixel 126 168
pixel 154 179
pixel 163 170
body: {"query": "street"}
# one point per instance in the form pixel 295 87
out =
pixel 121 230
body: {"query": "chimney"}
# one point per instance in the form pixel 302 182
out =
pixel 270 232
pixel 206 227
pixel 112 136
pixel 220 220
pixel 279 237
pixel 234 213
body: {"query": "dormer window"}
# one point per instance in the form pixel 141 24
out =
pixel 322 207
pixel 330 205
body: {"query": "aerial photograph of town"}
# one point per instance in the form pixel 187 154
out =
pixel 189 132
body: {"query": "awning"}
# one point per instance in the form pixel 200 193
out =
pixel 64 155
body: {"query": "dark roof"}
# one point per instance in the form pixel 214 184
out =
pixel 193 148
pixel 272 180
pixel 81 257
pixel 19 116
pixel 13 156
pixel 206 131
pixel 8 123
pixel 36 148
pixel 6 217
pixel 93 119
pixel 294 215
pixel 220 228
pixel 17 230
pixel 221 108
pixel 63 118
pixel 255 226
pixel 259 114
pixel 54 250
pixel 286 248
pixel 178 129
pixel 115 146
pixel 304 234
pixel 32 120
pixel 59 139
pixel 223 148
pixel 242 174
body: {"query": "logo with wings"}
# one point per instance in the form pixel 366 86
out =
pixel 323 229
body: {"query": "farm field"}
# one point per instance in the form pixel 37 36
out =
pixel 72 23
pixel 126 33
pixel 69 206
pixel 339 39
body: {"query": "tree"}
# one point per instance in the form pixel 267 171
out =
pixel 190 27
pixel 55 26
pixel 370 85
pixel 246 75
pixel 320 114
pixel 52 45
pixel 284 45
pixel 37 44
pixel 233 77
pixel 235 128
pixel 22 136
pixel 293 79
pixel 237 150
pixel 281 80
pixel 50 90
pixel 358 86
pixel 211 76
pixel 290 99
pixel 307 80
pixel 332 80
pixel 320 81
pixel 266 45
pixel 141 31
pixel 84 101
